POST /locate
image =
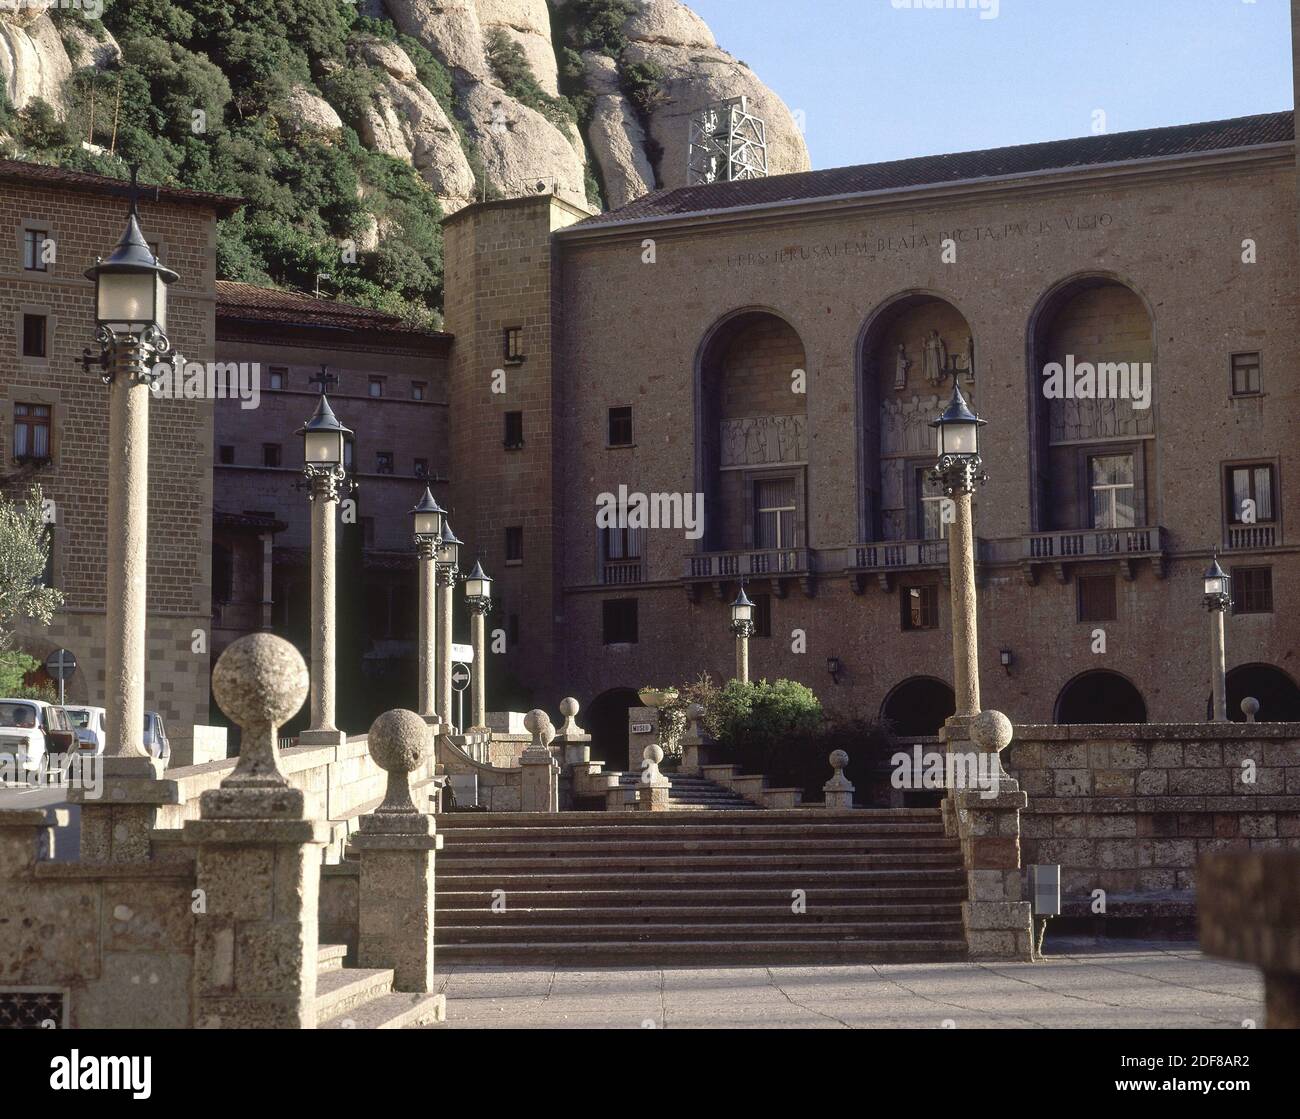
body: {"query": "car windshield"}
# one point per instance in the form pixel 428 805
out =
pixel 79 717
pixel 20 715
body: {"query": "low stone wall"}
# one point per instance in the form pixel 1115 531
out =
pixel 500 788
pixel 1129 809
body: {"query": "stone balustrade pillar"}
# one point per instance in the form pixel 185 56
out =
pixel 574 743
pixel 540 791
pixel 697 743
pixel 258 857
pixel 839 789
pixel 653 788
pixel 396 843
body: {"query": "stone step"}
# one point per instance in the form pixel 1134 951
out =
pixel 329 957
pixel 634 898
pixel 737 862
pixel 684 952
pixel 633 844
pixel 340 991
pixel 817 912
pixel 449 821
pixel 784 880
pixel 793 928
pixel 393 1011
pixel 705 830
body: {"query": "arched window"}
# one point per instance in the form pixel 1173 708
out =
pixel 1100 697
pixel 1277 693
pixel 918 707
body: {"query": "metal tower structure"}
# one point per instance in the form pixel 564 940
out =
pixel 727 143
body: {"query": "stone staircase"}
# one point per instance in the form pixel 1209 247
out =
pixel 686 886
pixel 690 793
pixel 363 998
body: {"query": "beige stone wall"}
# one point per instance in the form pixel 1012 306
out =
pixel 180 453
pixel 632 331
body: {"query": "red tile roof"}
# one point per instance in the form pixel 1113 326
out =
pixel 935 170
pixel 251 303
pixel 40 174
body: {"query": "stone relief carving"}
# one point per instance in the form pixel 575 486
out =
pixel 1073 420
pixel 758 440
pixel 936 358
pixel 905 424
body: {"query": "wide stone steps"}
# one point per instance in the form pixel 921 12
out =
pixel 693 793
pixel 750 885
pixel 350 998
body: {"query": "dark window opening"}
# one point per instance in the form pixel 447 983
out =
pixel 1252 590
pixel 1245 374
pixel 619 618
pixel 1097 598
pixel 32 432
pixel 620 427
pixel 920 607
pixel 226 455
pixel 515 544
pixel 34 336
pixel 34 242
pixel 271 454
pixel 514 343
pixel 514 436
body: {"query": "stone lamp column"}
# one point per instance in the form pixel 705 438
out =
pixel 1218 598
pixel 258 860
pixel 428 637
pixel 478 597
pixel 448 571
pixel 742 625
pixel 396 843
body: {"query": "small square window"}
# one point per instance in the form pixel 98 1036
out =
pixel 620 427
pixel 383 462
pixel 376 387
pixel 1251 494
pixel 1096 598
pixel 37 250
pixel 1252 590
pixel 271 454
pixel 1245 374
pixel 226 455
pixel 417 390
pixel 515 545
pixel 920 607
pixel 32 433
pixel 278 377
pixel 619 618
pixel 34 336
pixel 514 343
pixel 368 531
pixel 421 467
pixel 762 615
pixel 514 437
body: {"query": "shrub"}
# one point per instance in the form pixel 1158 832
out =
pixel 14 667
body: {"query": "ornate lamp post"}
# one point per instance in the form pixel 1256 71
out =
pixel 478 595
pixel 742 625
pixel 448 559
pixel 324 454
pixel 958 469
pixel 1218 597
pixel 131 319
pixel 427 517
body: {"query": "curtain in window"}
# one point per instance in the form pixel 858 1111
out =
pixel 774 509
pixel 1113 491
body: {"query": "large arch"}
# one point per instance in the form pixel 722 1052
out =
pixel 1095 316
pixel 918 707
pixel 897 397
pixel 1277 693
pixel 751 431
pixel 1099 696
pixel 605 719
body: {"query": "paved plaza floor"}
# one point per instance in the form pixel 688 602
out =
pixel 1082 985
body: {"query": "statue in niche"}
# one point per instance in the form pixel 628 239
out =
pixel 901 366
pixel 755 442
pixel 891 484
pixel 970 360
pixel 891 425
pixel 936 358
pixel 913 431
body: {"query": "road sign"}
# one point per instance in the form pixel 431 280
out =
pixel 60 664
pixel 462 654
pixel 460 677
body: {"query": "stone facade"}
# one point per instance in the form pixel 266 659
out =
pixel 83 215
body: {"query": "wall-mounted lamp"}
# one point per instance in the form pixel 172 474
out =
pixel 1006 658
pixel 834 667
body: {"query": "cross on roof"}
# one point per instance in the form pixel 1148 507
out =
pixel 324 378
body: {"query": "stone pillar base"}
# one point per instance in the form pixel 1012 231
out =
pixel 115 825
pixel 652 796
pixel 396 897
pixel 322 738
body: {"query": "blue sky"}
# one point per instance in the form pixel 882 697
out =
pixel 876 83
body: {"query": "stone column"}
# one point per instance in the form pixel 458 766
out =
pixel 965 636
pixel 1248 903
pixel 986 818
pixel 1218 665
pixel 540 791
pixel 258 857
pixel 695 743
pixel 446 595
pixel 742 657
pixel 396 843
pixel 324 494
pixel 427 553
pixel 653 788
pixel 839 789
pixel 478 681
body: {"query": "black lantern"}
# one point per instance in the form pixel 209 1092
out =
pixel 428 515
pixel 448 547
pixel 478 587
pixel 742 615
pixel 324 439
pixel 1218 587
pixel 130 284
pixel 957 429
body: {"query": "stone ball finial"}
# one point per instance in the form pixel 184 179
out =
pixel 695 711
pixel 1250 708
pixel 569 707
pixel 399 741
pixel 839 759
pixel 260 680
pixel 653 753
pixel 991 731
pixel 535 721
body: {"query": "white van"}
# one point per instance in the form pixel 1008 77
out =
pixel 30 731
pixel 91 727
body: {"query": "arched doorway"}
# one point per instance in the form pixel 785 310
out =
pixel 606 721
pixel 1278 694
pixel 1100 697
pixel 752 433
pixel 909 351
pixel 918 707
pixel 1093 422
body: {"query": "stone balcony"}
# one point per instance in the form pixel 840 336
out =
pixel 1248 538
pixel 1062 549
pixel 777 566
pixel 621 573
pixel 886 559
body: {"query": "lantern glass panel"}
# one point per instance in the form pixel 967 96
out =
pixel 126 299
pixel 957 439
pixel 325 447
pixel 427 524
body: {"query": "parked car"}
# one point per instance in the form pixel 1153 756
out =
pixel 31 731
pixel 155 736
pixel 91 727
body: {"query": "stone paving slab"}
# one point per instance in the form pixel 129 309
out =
pixel 1082 985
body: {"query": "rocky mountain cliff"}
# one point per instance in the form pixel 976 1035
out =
pixel 480 97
